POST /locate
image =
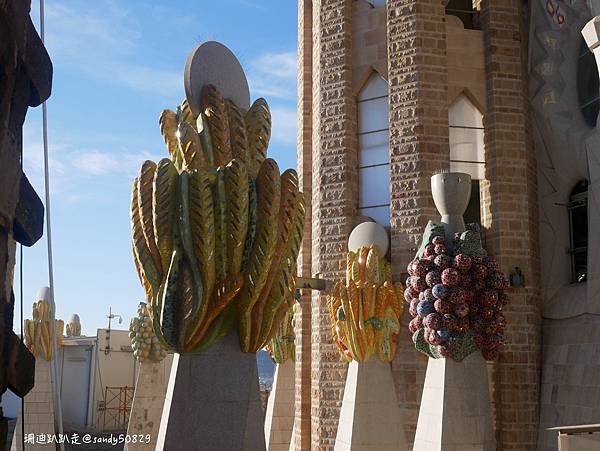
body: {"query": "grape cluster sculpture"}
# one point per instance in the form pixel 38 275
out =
pixel 456 294
pixel 216 228
pixel 365 311
pixel 38 331
pixel 282 348
pixel 144 342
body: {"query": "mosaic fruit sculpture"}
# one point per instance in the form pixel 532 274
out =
pixel 365 310
pixel 281 347
pixel 73 327
pixel 456 295
pixel 143 341
pixel 216 228
pixel 38 332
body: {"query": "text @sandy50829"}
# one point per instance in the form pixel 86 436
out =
pixel 85 439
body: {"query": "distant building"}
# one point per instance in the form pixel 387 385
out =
pixel 97 382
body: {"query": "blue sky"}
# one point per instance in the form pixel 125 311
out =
pixel 117 65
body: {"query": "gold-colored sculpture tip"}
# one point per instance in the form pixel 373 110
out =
pixel 38 331
pixel 365 311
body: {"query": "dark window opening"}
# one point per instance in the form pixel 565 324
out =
pixel 588 89
pixel 473 211
pixel 463 9
pixel 578 227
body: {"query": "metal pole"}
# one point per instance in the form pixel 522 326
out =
pixel 55 385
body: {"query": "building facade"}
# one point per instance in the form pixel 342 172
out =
pixel 390 92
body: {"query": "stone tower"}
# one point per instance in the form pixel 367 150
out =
pixel 389 92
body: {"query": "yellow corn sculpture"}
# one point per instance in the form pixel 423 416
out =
pixel 38 333
pixel 365 311
pixel 73 328
pixel 216 228
pixel 281 347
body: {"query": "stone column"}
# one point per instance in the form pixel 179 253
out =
pixel 370 419
pixel 148 402
pixel 512 217
pixel 455 413
pixel 39 410
pixel 302 317
pixel 279 420
pixel 418 114
pixel 334 199
pixel 213 401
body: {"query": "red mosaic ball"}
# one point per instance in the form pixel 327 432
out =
pixel 462 262
pixel 433 321
pixel 429 250
pixel 443 306
pixel 432 337
pixel 440 249
pixel 489 298
pixel 491 328
pixel 442 261
pixel 419 283
pixel 458 296
pixel 433 277
pixel 479 272
pixel 415 324
pixel 428 295
pixel 410 268
pixel 466 280
pixel 487 313
pixel 410 293
pixel 450 277
pixel 438 239
pixel 412 309
pixel 497 281
pixel 500 321
pixel 491 264
pixel 421 268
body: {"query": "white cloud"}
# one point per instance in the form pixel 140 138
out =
pixel 101 40
pixel 281 65
pixel 95 162
pixel 274 75
pixel 71 166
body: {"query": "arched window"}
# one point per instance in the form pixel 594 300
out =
pixel 373 151
pixel 466 149
pixel 466 11
pixel 578 227
pixel 588 89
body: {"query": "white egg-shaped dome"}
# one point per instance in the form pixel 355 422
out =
pixel 367 234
